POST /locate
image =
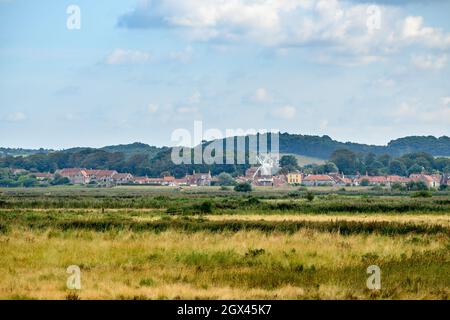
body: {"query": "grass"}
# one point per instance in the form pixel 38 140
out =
pixel 245 248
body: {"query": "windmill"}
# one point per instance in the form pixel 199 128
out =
pixel 267 163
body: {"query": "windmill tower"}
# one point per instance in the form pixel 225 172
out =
pixel 266 164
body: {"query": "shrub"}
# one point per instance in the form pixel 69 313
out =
pixel 206 207
pixel 422 194
pixel 253 201
pixel 243 187
pixel 443 187
pixel 252 253
pixel 309 196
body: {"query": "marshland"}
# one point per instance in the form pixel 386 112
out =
pixel 210 243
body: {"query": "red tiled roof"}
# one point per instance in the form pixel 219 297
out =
pixel 318 177
pixel 101 173
pixel 122 175
pixel 42 175
pixel 71 172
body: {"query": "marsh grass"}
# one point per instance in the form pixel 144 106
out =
pixel 128 245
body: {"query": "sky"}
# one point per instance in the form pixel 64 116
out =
pixel 130 70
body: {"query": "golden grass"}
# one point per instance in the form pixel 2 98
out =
pixel 174 265
pixel 437 219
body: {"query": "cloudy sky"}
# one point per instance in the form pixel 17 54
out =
pixel 138 70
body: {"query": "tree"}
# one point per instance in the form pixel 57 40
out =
pixel 345 160
pixel 415 168
pixel 375 168
pixel 370 158
pixel 243 187
pixel 225 179
pixel 385 159
pixel 330 167
pixel 59 180
pixel 397 167
pixel 289 163
pixel 365 182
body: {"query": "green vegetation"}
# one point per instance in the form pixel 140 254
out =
pixel 400 157
pixel 243 187
pixel 154 243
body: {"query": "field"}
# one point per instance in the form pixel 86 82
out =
pixel 207 243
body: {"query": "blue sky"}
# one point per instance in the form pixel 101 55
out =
pixel 138 70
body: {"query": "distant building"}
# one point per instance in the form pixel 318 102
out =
pixel 341 179
pixel 141 180
pixel 318 180
pixel 123 178
pixel 445 179
pixel 75 175
pixel 101 177
pixel 199 179
pixel 263 181
pixel 18 171
pixel 372 180
pixel 250 172
pixel 294 178
pixel 397 179
pixel 431 181
pixel 41 176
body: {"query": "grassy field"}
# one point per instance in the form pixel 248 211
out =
pixel 167 243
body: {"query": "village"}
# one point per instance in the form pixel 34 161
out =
pixel 253 176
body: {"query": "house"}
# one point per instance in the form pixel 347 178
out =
pixel 141 180
pixel 250 172
pixel 263 181
pixel 101 177
pixel 75 175
pixel 279 180
pixel 18 171
pixel 445 179
pixel 373 180
pixel 181 182
pixel 294 178
pixel 122 178
pixel 199 179
pixel 341 179
pixel 318 180
pixel 169 181
pixel 41 176
pixel 431 181
pixel 397 179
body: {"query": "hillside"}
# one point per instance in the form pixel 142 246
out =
pixel 323 147
pixel 21 152
pixel 143 159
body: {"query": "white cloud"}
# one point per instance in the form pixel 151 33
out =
pixel 439 114
pixel 260 96
pixel 16 117
pixel 414 30
pixel 342 26
pixel 121 56
pixel 287 112
pixel 430 62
